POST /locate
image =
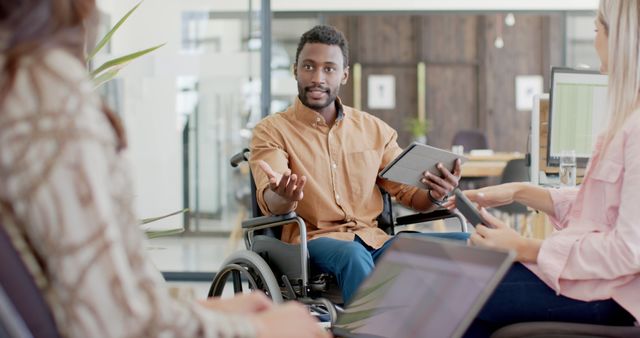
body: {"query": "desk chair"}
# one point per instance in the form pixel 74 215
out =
pixel 515 171
pixel 266 256
pixel 11 324
pixel 23 295
pixel 470 139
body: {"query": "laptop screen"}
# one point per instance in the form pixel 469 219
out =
pixel 423 288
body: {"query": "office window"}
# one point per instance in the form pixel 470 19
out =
pixel 580 38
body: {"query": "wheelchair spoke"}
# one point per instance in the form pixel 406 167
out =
pixel 237 281
pixel 237 273
pixel 248 271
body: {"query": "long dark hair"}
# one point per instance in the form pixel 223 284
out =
pixel 32 27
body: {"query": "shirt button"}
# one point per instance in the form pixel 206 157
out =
pixel 334 166
pixel 317 119
pixel 338 197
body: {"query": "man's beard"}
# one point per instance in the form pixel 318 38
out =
pixel 331 97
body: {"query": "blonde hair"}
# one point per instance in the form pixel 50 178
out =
pixel 621 21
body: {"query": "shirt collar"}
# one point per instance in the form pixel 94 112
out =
pixel 310 116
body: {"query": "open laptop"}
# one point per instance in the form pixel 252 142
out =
pixel 423 288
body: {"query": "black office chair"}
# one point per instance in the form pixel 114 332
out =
pixel 11 324
pixel 565 330
pixel 516 170
pixel 470 139
pixel 266 256
pixel 24 301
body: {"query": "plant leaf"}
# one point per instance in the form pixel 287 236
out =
pixel 108 36
pixel 153 219
pixel 105 77
pixel 123 59
pixel 155 234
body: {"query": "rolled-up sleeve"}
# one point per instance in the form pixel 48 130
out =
pixel 563 199
pixel 268 147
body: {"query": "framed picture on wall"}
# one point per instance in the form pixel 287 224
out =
pixel 527 86
pixel 381 92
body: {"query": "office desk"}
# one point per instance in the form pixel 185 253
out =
pixel 487 165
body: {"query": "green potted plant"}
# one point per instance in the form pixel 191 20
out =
pixel 418 128
pixel 108 70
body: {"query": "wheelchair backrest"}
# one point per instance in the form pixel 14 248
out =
pixel 385 219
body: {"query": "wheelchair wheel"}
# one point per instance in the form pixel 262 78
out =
pixel 250 266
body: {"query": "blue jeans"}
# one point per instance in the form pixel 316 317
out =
pixel 523 297
pixel 351 262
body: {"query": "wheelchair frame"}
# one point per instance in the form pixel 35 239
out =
pixel 253 267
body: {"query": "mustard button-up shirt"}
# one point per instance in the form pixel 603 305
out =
pixel 341 163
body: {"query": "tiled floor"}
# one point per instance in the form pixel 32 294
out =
pixel 193 254
pixel 190 254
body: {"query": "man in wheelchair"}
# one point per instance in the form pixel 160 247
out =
pixel 321 159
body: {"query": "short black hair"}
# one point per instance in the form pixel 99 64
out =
pixel 327 35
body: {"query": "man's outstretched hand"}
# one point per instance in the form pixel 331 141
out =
pixel 288 186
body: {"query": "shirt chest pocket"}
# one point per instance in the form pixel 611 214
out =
pixel 607 171
pixel 606 185
pixel 362 170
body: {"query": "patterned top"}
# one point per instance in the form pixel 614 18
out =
pixel 341 163
pixel 68 191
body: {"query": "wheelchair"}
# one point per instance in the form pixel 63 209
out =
pixel 282 270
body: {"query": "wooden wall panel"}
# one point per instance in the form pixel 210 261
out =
pixel 449 49
pixel 406 99
pixel 470 83
pixel 553 45
pixel 507 129
pixel 385 39
pixel 449 38
pixel 451 102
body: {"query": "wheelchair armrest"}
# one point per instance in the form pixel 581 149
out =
pixel 266 220
pixel 424 217
pixel 431 216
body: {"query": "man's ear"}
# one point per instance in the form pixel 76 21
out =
pixel 294 69
pixel 345 75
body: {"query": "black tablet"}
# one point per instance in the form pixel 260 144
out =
pixel 469 210
pixel 408 167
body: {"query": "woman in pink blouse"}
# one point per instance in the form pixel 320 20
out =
pixel 65 187
pixel 589 271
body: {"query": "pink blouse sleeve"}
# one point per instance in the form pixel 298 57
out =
pixel 562 199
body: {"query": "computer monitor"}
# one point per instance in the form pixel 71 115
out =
pixel 577 113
